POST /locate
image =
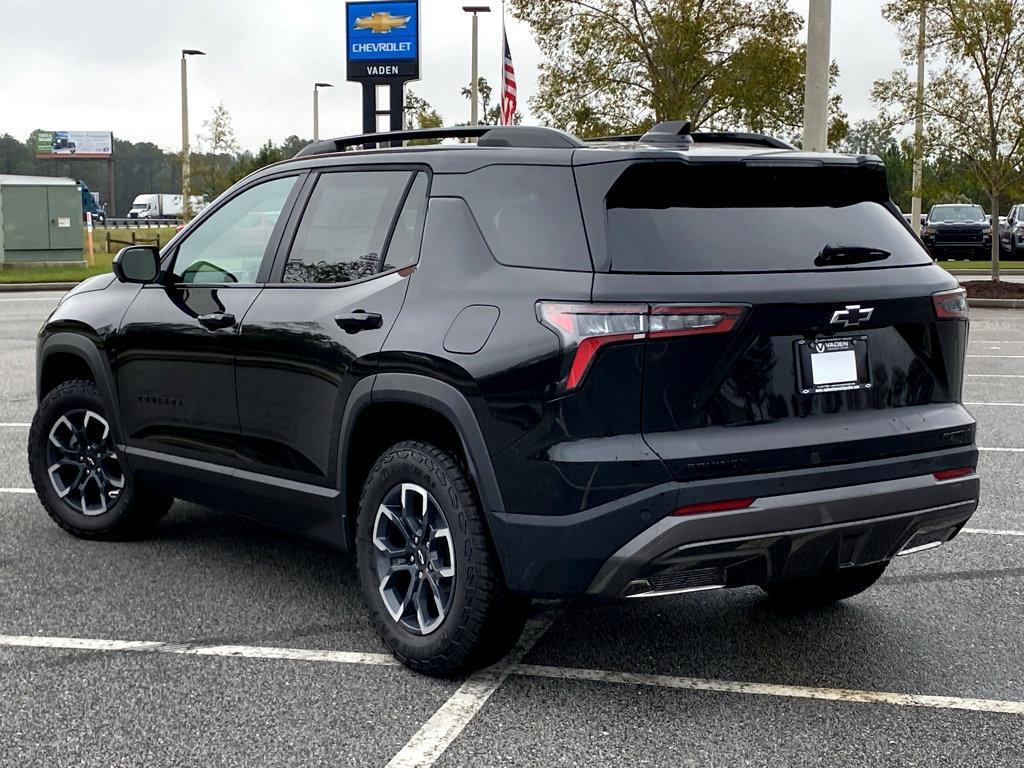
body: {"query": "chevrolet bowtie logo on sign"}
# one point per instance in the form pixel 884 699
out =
pixel 382 22
pixel 852 315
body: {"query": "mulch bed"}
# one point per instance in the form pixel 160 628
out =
pixel 988 289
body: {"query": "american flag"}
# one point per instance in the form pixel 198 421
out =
pixel 508 85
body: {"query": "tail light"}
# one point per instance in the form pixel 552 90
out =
pixel 951 304
pixel 586 328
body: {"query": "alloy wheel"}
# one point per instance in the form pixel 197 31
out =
pixel 414 558
pixel 82 462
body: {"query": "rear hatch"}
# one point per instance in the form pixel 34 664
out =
pixel 801 322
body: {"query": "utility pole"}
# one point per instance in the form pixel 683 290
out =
pixel 186 208
pixel 316 108
pixel 915 204
pixel 819 23
pixel 474 114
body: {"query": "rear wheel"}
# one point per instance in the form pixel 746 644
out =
pixel 77 472
pixel 824 589
pixel 428 572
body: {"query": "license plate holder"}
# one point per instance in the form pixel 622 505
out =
pixel 833 364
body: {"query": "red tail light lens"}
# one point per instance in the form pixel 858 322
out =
pixel 715 507
pixel 957 472
pixel 951 304
pixel 586 328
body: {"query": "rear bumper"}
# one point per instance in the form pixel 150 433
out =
pixel 817 531
pixel 802 519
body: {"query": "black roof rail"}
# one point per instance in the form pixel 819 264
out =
pixel 486 136
pixel 672 132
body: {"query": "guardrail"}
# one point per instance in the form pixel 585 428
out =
pixel 135 224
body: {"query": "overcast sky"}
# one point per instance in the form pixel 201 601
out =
pixel 113 64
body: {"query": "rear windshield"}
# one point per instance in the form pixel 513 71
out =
pixel 669 217
pixel 957 214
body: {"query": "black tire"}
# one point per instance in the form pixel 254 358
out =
pixel 483 620
pixel 133 512
pixel 824 589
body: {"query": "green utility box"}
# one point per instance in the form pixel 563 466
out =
pixel 40 221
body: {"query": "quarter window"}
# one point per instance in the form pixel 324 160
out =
pixel 229 246
pixel 345 226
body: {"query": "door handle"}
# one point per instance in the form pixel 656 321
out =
pixel 216 320
pixel 357 321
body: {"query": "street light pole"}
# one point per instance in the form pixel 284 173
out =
pixel 915 202
pixel 474 113
pixel 186 208
pixel 316 108
pixel 819 22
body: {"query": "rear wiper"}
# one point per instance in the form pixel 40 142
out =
pixel 832 256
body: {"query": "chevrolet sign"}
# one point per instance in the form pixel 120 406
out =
pixel 382 40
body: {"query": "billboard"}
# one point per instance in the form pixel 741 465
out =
pixel 382 41
pixel 74 144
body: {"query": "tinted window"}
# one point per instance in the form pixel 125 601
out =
pixel 404 246
pixel 965 213
pixel 345 226
pixel 667 217
pixel 228 247
pixel 530 216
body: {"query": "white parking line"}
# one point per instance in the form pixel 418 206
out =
pixel 32 299
pixel 257 652
pixel 17 491
pixel 995 356
pixel 982 403
pixel 999 448
pixel 998 376
pixel 448 722
pixel 995 341
pixel 773 690
pixel 15 424
pixel 994 532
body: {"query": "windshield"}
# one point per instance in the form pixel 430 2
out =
pixel 965 213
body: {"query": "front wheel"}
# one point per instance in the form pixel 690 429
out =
pixel 824 589
pixel 77 471
pixel 428 573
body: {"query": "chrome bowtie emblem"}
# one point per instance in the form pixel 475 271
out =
pixel 852 315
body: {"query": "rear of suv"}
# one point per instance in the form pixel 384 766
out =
pixel 529 367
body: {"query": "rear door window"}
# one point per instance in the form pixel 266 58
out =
pixel 345 226
pixel 670 217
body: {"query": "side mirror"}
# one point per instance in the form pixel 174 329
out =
pixel 137 264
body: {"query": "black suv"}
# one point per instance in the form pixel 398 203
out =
pixel 533 366
pixel 958 228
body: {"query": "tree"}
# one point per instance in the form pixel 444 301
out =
pixel 216 151
pixel 972 106
pixel 875 137
pixel 615 66
pixel 490 114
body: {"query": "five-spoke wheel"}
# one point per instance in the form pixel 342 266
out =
pixel 415 559
pixel 82 462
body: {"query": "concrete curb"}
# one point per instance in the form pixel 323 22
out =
pixel 36 286
pixel 986 273
pixel 1009 304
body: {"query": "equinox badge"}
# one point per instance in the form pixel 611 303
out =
pixel 852 315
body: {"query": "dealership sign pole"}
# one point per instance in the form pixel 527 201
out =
pixel 382 49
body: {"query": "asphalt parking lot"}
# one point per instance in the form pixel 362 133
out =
pixel 222 642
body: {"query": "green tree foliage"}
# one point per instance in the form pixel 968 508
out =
pixel 615 66
pixel 215 154
pixel 490 114
pixel 972 106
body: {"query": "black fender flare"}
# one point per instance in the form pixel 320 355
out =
pixel 67 343
pixel 419 390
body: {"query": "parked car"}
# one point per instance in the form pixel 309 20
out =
pixel 958 229
pixel 1011 232
pixel 528 387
